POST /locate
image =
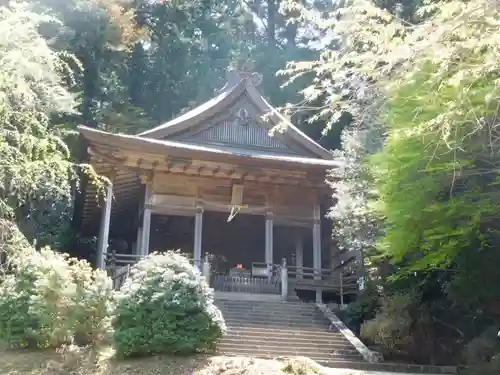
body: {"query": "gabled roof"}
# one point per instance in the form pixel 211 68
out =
pixel 99 138
pixel 240 85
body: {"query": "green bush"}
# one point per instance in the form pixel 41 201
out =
pixel 48 299
pixel 391 326
pixel 165 306
pixel 482 353
pixel 364 308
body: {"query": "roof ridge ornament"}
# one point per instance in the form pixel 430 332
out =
pixel 235 76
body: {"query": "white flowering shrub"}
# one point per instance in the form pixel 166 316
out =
pixel 49 299
pixel 165 306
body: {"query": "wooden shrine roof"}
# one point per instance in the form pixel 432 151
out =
pixel 240 85
pixel 137 144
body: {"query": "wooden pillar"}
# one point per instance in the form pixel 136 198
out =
pixel 198 226
pixel 146 221
pixel 284 280
pixel 138 242
pixel 206 268
pixel 317 248
pixel 299 256
pixel 269 239
pixel 102 245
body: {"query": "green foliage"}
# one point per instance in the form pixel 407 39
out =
pixel 364 308
pixel 392 325
pixel 165 306
pixel 481 353
pixel 48 299
pixel 423 77
pixel 431 196
pixel 37 170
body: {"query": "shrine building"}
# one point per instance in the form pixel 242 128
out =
pixel 215 180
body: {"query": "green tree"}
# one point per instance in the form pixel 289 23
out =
pixel 36 168
pixel 431 89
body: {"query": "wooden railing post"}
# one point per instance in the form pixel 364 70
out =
pixel 206 268
pixel 113 261
pixel 319 291
pixel 113 267
pixel 341 290
pixel 284 280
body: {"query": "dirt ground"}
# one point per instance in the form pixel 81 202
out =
pixel 85 363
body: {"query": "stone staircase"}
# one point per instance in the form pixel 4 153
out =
pixel 275 329
pixel 264 327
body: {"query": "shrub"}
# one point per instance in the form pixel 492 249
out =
pixel 165 306
pixel 364 308
pixel 392 324
pixel 48 299
pixel 482 353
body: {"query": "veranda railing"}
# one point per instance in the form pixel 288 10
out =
pixel 338 280
pixel 118 266
pixel 262 278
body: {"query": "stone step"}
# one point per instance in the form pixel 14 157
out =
pixel 250 310
pixel 265 304
pixel 287 335
pixel 272 312
pixel 277 343
pixel 275 329
pixel 277 307
pixel 275 317
pixel 286 320
pixel 255 351
pixel 323 339
pixel 277 324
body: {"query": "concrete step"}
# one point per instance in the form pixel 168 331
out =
pixel 305 346
pixel 266 305
pixel 277 324
pixel 300 346
pixel 310 312
pixel 272 312
pixel 280 341
pixel 277 319
pixel 285 318
pixel 286 335
pixel 272 304
pixel 273 352
pixel 250 310
pixel 275 329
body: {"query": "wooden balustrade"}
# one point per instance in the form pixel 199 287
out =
pixel 262 278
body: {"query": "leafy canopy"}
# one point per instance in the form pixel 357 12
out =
pixel 36 168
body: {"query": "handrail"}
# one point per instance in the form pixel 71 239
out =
pixel 338 279
pixel 120 255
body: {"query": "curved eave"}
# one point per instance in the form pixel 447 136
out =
pixel 198 114
pixel 139 144
pixel 224 100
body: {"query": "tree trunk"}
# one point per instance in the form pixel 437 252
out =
pixel 271 24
